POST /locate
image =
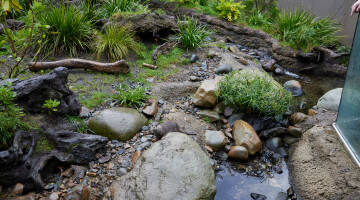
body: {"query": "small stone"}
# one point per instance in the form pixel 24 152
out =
pixel 297 118
pixel 219 108
pixel 224 69
pixel 85 112
pixel 91 174
pixel 193 58
pixel 245 135
pixel 104 159
pixel 211 54
pixel 209 149
pixel 268 65
pixel 294 87
pixel 110 166
pixel 210 115
pixel 152 108
pixel 279 71
pixel 243 61
pixel 215 139
pixel 238 153
pixel 312 112
pixel 234 49
pixel 146 138
pixel 54 196
pixel 69 185
pixel 294 131
pixel 228 111
pixel 258 196
pixel 233 118
pixel 68 173
pixel 204 66
pixel 121 171
pixel 273 132
pixel 135 156
pixel 18 189
pixel 227 148
pixel 194 78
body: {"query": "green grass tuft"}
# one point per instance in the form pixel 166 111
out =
pixel 130 97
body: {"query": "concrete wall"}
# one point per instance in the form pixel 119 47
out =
pixel 323 8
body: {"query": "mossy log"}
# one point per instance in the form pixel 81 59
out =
pixel 120 66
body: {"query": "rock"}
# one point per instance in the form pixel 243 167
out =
pixel 79 172
pixel 117 123
pixel 104 159
pixel 312 112
pixel 294 87
pixel 135 156
pixel 68 173
pixel 320 158
pixel 72 196
pixel 152 108
pixel 18 189
pixel 274 144
pixel 54 196
pixel 91 174
pixel 244 135
pixel 211 54
pixel 330 100
pixel 121 171
pixel 233 118
pixel 297 118
pixel 215 139
pixel 163 129
pixel 219 108
pixel 85 112
pixel 194 58
pixel 210 115
pixel 204 66
pixel 179 161
pixel 228 111
pixel 223 69
pixel 273 132
pixel 268 65
pixel 33 92
pixel 294 131
pixel 279 71
pixel 234 49
pixel 194 78
pixel 205 95
pixel 258 196
pixel 238 153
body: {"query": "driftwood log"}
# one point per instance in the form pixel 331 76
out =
pixel 149 66
pixel 120 66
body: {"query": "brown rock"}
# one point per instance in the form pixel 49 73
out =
pixel 18 189
pixel 91 174
pixel 209 149
pixel 243 61
pixel 238 153
pixel 135 156
pixel 312 112
pixel 297 118
pixel 53 196
pixel 68 173
pixel 205 95
pixel 244 135
pixel 294 131
pixel 85 193
pixel 268 65
pixel 152 108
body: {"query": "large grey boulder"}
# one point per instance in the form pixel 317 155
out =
pixel 330 100
pixel 117 123
pixel 173 168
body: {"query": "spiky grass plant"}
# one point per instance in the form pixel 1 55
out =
pixel 70 29
pixel 130 97
pixel 110 7
pixel 116 42
pixel 191 35
pixel 301 29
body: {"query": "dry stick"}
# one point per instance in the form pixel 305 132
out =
pixel 120 66
pixel 149 66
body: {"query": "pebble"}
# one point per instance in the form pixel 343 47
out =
pixel 146 138
pixel 204 66
pixel 268 65
pixel 228 111
pixel 18 189
pixel 294 131
pixel 104 159
pixel 234 117
pixel 135 156
pixel 194 78
pixel 212 116
pixel 68 173
pixel 256 196
pixel 238 153
pixel 297 118
pixel 224 69
pixel 294 87
pixel 54 196
pixel 91 174
pixel 85 112
pixel 110 166
pixel 312 112
pixel 121 171
pixel 279 71
pixel 193 58
pixel 215 139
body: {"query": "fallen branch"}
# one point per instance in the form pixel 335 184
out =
pixel 149 66
pixel 120 66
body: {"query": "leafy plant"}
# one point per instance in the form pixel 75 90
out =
pixel 111 7
pixel 267 8
pixel 190 33
pixel 301 29
pixel 96 98
pixel 20 41
pixel 130 97
pixel 9 116
pixel 116 42
pixel 230 10
pixel 79 122
pixel 343 49
pixel 255 90
pixel 51 105
pixel 70 29
pixel 258 19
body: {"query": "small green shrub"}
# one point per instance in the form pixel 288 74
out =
pixel 110 7
pixel 301 29
pixel 9 117
pixel 230 10
pixel 255 90
pixel 79 122
pixel 130 97
pixel 343 49
pixel 257 19
pixel 191 35
pixel 95 98
pixel 51 105
pixel 116 42
pixel 70 29
pixel 267 8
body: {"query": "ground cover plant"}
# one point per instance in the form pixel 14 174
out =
pixel 230 10
pixel 129 97
pixel 191 35
pixel 255 90
pixel 111 7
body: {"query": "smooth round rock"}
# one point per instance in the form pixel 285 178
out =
pixel 117 123
pixel 294 87
pixel 238 153
pixel 294 131
pixel 224 69
pixel 215 139
pixel 244 135
pixel 330 100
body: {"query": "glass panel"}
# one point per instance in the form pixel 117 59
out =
pixel 348 120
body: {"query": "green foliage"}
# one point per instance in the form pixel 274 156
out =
pixel 51 105
pixel 9 117
pixel 130 97
pixel 70 29
pixel 301 29
pixel 230 10
pixel 79 122
pixel 267 8
pixel 43 145
pixel 343 49
pixel 96 98
pixel 116 42
pixel 257 19
pixel 110 7
pixel 255 90
pixel 191 35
